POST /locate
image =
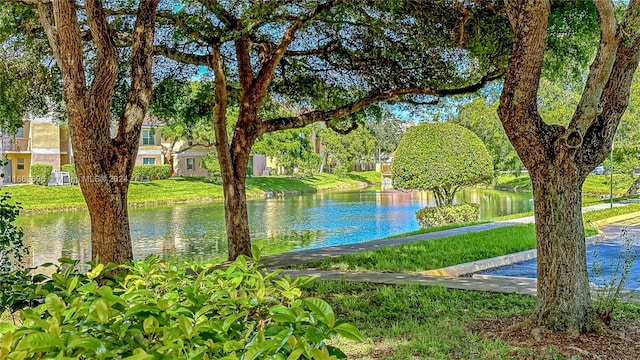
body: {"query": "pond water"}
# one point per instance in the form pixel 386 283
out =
pixel 195 231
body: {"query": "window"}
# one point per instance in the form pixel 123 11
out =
pixel 191 164
pixel 20 164
pixel 190 142
pixel 148 161
pixel 148 137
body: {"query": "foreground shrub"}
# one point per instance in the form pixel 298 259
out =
pixel 71 169
pixel 153 310
pixel 151 172
pixel 40 173
pixel 445 215
pixel 12 248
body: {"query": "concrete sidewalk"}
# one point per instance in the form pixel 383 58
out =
pixel 499 284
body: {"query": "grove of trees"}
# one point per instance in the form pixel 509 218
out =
pixel 334 59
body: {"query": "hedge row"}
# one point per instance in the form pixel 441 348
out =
pixel 446 215
pixel 40 173
pixel 151 172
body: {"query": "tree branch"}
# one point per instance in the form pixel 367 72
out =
pixel 226 17
pixel 599 72
pixel 141 85
pixel 183 57
pixel 340 131
pixel 106 68
pixel 615 95
pixel 245 71
pixel 518 109
pixel 265 75
pixel 395 95
pixel 70 61
pixel 220 111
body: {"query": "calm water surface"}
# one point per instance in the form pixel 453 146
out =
pixel 196 231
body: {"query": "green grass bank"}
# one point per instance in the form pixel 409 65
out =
pixel 453 250
pixel 36 198
pixel 594 185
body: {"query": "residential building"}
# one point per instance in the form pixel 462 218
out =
pixel 150 148
pixel 41 140
pixel 187 158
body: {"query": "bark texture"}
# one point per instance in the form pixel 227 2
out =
pixel 635 186
pixel 559 158
pixel 103 164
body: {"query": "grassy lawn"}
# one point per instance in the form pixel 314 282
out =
pixel 594 184
pixel 48 198
pixel 434 254
pixel 424 322
pixel 418 322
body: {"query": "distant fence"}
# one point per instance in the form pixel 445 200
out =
pixel 364 167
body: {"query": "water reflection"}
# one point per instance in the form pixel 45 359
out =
pixel 196 231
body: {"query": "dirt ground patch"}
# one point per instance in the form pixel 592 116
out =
pixel 623 343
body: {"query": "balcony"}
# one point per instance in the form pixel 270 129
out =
pixel 16 144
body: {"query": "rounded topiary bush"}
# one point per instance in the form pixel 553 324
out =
pixel 440 157
pixel 446 215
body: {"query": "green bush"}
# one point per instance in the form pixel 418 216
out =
pixel 71 169
pixel 151 172
pixel 154 310
pixel 213 179
pixel 40 173
pixel 249 171
pixel 12 248
pixel 440 157
pixel 446 215
pixel 341 170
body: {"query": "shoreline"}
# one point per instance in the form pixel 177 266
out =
pixel 206 199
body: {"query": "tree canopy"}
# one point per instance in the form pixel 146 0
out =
pixel 441 157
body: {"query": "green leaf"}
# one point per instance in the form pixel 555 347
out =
pixel 139 355
pixel 149 324
pixel 322 310
pixel 258 349
pixel 72 285
pixel 38 342
pixel 6 327
pixel 295 354
pixel 102 309
pixel 229 320
pixel 87 343
pixel 93 273
pixel 185 325
pixel 54 305
pixel 349 331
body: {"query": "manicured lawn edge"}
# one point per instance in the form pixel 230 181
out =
pixel 42 199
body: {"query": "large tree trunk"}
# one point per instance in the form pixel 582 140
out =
pixel 104 164
pixel 635 186
pixel 235 210
pixel 564 301
pixel 110 234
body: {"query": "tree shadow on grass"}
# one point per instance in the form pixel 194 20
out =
pixel 358 178
pixel 279 184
